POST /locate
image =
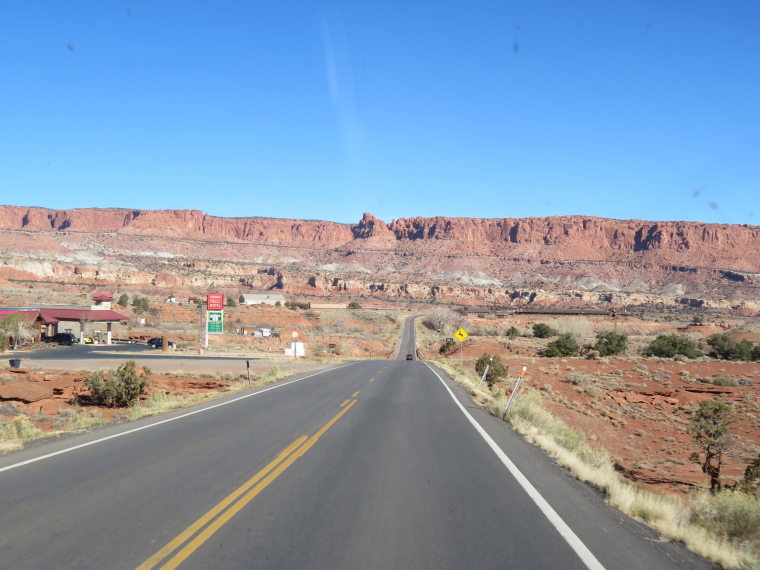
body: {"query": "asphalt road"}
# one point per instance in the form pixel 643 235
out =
pixel 95 357
pixel 376 464
pixel 101 351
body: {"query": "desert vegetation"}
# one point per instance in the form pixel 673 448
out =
pixel 723 525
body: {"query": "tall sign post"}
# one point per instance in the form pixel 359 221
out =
pixel 460 335
pixel 294 343
pixel 214 314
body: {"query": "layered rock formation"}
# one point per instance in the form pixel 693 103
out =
pixel 458 259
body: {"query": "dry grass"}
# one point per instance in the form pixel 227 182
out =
pixel 160 402
pixel 724 528
pixel 20 429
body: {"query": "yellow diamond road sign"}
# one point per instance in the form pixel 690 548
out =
pixel 461 334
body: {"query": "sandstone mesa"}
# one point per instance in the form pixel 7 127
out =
pixel 464 260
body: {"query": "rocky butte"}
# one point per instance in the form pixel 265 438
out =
pixel 465 260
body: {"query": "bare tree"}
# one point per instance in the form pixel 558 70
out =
pixel 438 318
pixel 16 328
pixel 85 322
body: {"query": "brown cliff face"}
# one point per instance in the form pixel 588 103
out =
pixel 488 260
pixel 706 241
pixel 192 224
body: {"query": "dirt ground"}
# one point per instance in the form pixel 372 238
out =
pixel 49 395
pixel 637 409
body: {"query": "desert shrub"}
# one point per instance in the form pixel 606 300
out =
pixel 719 380
pixel 272 374
pixel 579 379
pixel 123 300
pixel 512 333
pixel 669 345
pixel 447 346
pixel 22 428
pixel 542 330
pixel 565 345
pixel 9 410
pixel 117 390
pixel 751 482
pixel 231 302
pixel 735 516
pixel 721 345
pixel 496 371
pixel 354 305
pixel 610 342
pixel 726 348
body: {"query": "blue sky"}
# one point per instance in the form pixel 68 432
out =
pixel 294 109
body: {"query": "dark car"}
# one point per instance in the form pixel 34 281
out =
pixel 409 357
pixel 63 338
pixel 158 342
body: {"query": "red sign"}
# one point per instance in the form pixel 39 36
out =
pixel 215 301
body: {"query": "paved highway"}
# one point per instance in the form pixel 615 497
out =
pixel 95 357
pixel 102 351
pixel 376 464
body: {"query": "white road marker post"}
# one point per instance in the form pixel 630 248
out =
pixel 514 391
pixel 206 345
pixel 484 373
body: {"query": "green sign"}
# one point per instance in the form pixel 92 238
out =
pixel 215 322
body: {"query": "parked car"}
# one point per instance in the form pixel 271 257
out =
pixel 158 342
pixel 409 357
pixel 63 338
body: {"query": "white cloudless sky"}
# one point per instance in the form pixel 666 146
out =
pixel 292 109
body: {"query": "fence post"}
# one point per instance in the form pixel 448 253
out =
pixel 514 391
pixel 484 373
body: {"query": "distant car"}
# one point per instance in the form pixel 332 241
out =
pixel 158 342
pixel 409 357
pixel 63 338
pixel 276 335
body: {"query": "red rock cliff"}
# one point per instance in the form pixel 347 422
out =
pixel 563 237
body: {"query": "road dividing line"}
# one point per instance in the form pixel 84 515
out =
pixel 371 379
pixel 235 502
pixel 355 394
pixel 158 423
pixel 197 525
pixel 564 530
pixel 346 402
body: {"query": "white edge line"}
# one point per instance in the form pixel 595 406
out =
pixel 158 423
pixel 572 539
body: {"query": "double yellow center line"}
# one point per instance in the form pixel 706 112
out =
pixel 202 529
